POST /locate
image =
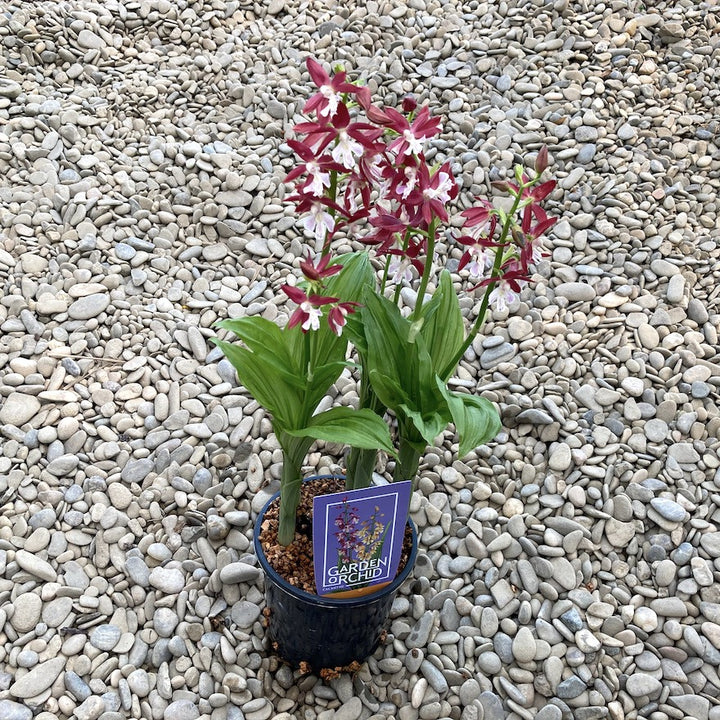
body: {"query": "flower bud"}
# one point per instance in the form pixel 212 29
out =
pixel 541 161
pixel 409 103
pixel 501 185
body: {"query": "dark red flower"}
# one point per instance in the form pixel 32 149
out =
pixel 337 317
pixel 308 312
pixel 412 134
pixel 408 256
pixel 543 224
pixel 316 167
pixel 476 257
pixel 329 99
pixel 409 103
pixel 431 194
pixel 482 217
pixel 315 273
pixel 541 161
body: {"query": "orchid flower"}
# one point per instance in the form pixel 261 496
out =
pixel 329 98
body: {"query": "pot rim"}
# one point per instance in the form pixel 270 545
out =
pixel 323 599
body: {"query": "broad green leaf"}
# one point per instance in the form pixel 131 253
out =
pixel 476 419
pixel 401 371
pixel 356 275
pixel 431 400
pixel 321 380
pixel 354 330
pixel 386 334
pixel 443 329
pixel 428 425
pixel 268 343
pixel 388 389
pixel 282 399
pixel 359 428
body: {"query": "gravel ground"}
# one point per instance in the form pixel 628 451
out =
pixel 568 570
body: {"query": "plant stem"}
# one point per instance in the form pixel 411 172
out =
pixel 398 286
pixel 386 271
pixel 290 483
pixel 361 462
pixel 407 463
pixel 294 450
pixel 480 319
pixel 333 195
pixel 426 270
pixel 360 466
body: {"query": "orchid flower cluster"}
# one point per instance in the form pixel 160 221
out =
pixel 363 175
pixel 369 176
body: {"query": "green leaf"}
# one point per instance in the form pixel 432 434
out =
pixel 401 372
pixel 387 389
pixel 386 335
pixel 268 343
pixel 322 378
pixel 359 428
pixel 282 399
pixel 476 419
pixel 428 425
pixel 443 329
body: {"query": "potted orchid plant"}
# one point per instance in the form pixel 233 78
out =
pixel 362 178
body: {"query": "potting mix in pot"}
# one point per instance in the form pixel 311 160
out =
pixel 373 300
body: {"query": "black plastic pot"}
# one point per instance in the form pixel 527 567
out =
pixel 325 632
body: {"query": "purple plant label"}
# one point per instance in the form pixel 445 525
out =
pixel 358 536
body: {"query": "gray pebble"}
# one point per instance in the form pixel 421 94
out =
pixel 640 684
pixel 181 710
pixel 420 632
pixel 124 251
pixel 492 706
pixel 669 509
pixel 9 709
pixel 434 677
pixel 105 637
pixel 244 613
pixel 77 686
pixel 571 688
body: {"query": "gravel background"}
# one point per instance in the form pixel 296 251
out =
pixel 567 570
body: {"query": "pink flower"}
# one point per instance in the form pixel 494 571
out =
pixel 327 101
pixel 316 168
pixel 308 312
pixel 315 273
pixel 412 135
pixel 347 150
pixel 319 222
pixel 476 257
pixel 405 189
pixel 388 227
pixel 431 194
pixel 543 224
pixel 337 317
pixel 408 256
pixel 352 140
pixel 502 296
pixel 508 287
pixel 481 217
